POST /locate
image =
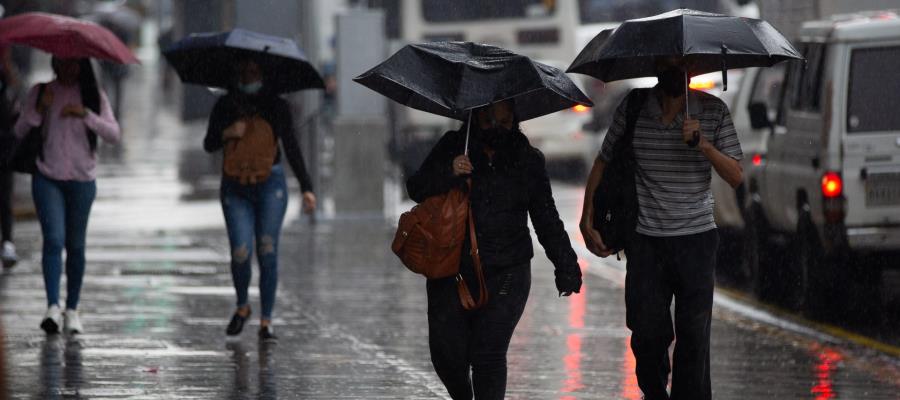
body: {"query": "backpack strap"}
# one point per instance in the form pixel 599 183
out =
pixel 636 101
pixel 465 296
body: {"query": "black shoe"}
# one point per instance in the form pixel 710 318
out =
pixel 236 325
pixel 267 334
pixel 50 326
pixel 52 320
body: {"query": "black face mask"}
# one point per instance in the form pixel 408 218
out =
pixel 498 138
pixel 672 81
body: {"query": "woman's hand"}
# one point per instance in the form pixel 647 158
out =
pixel 462 165
pixel 309 202
pixel 73 110
pixel 568 281
pixel 235 131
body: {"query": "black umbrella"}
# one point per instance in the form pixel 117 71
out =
pixel 709 42
pixel 452 78
pixel 209 59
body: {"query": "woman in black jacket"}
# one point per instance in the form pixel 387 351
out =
pixel 509 183
pixel 254 207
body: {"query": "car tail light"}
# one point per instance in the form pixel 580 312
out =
pixel 834 204
pixel 698 83
pixel 580 108
pixel 757 160
pixel 832 185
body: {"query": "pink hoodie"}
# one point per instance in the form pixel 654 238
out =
pixel 67 151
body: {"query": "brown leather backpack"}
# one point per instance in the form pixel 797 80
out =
pixel 249 159
pixel 429 241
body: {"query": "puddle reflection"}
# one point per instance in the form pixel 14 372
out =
pixel 630 388
pixel 61 369
pixel 243 385
pixel 572 360
pixel 828 360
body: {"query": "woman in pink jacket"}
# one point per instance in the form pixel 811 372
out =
pixel 72 112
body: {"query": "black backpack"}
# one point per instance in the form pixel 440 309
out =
pixel 22 155
pixel 615 200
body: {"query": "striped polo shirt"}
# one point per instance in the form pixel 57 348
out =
pixel 673 179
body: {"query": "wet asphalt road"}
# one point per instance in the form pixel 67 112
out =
pixel 158 294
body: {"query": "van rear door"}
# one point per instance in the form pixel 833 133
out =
pixel 871 145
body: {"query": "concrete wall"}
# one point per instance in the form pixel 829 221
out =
pixel 198 16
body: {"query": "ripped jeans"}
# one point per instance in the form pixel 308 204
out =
pixel 255 211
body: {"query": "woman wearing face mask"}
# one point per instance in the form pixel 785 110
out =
pixel 509 183
pixel 247 123
pixel 72 113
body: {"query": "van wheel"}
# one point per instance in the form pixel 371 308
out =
pixel 809 272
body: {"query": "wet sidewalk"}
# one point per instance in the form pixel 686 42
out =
pixel 351 319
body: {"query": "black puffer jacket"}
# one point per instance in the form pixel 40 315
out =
pixel 505 191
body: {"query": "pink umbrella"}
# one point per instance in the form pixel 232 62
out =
pixel 64 37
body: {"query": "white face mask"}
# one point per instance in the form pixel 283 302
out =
pixel 250 88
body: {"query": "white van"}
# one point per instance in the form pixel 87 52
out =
pixel 830 187
pixel 756 87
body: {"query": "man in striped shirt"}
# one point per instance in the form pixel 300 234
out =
pixel 673 253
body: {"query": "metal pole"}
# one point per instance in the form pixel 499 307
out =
pixel 687 88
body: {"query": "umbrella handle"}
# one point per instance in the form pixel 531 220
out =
pixel 468 129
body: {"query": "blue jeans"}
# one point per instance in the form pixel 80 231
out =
pixel 63 208
pixel 255 211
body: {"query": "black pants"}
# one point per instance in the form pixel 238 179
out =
pixel 477 340
pixel 6 216
pixel 660 268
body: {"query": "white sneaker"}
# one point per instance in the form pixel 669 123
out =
pixel 8 254
pixel 52 320
pixel 73 323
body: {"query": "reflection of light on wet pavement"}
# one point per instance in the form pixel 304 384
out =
pixel 167 352
pixel 827 364
pixel 572 359
pixel 210 290
pixel 630 388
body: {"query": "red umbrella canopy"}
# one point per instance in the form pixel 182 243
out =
pixel 64 37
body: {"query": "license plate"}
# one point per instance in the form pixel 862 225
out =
pixel 883 189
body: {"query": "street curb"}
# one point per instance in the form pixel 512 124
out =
pixel 614 270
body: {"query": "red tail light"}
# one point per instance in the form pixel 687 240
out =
pixel 832 185
pixel 757 159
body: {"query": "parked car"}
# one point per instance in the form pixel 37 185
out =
pixel 829 190
pixel 752 86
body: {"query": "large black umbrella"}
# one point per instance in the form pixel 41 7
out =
pixel 709 42
pixel 452 78
pixel 209 59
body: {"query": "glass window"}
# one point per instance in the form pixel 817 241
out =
pixel 805 82
pixel 477 10
pixel 597 11
pixel 768 87
pixel 874 92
